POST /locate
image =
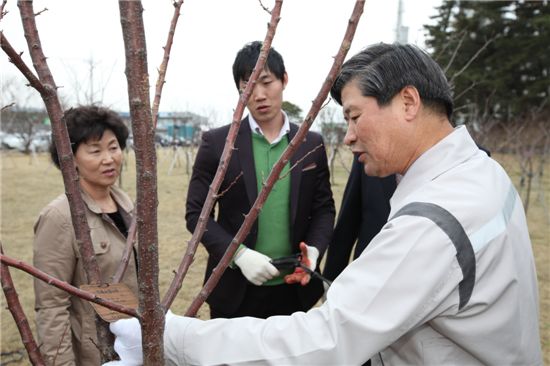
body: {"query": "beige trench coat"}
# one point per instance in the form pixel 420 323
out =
pixel 65 324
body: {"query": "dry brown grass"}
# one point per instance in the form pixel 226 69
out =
pixel 26 188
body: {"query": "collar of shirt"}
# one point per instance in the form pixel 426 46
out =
pixel 255 127
pixel 454 149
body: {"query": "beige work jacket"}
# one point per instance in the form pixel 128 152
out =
pixel 65 324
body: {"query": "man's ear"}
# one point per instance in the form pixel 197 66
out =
pixel 411 101
pixel 285 80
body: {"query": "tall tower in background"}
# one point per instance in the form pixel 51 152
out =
pixel 401 32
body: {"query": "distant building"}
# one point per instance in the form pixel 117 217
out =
pixel 176 128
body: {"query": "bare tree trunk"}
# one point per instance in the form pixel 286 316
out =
pixel 18 314
pixel 152 321
pixel 280 164
pixel 48 92
pixel 224 161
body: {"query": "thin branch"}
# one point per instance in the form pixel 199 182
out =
pixel 230 185
pixel 300 160
pixel 165 59
pixel 18 314
pixel 279 165
pixel 6 107
pixel 224 161
pixel 460 41
pixel 127 254
pixel 41 11
pixel 2 11
pixel 75 291
pixel 264 7
pixel 457 74
pixel 15 58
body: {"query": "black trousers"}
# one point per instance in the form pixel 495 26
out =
pixel 265 301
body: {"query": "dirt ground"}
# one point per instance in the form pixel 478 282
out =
pixel 29 183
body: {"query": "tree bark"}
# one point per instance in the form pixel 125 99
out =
pixel 280 164
pixel 152 321
pixel 18 314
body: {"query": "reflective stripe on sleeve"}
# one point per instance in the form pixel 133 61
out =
pixel 497 225
pixel 454 230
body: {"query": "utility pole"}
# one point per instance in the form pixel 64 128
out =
pixel 401 32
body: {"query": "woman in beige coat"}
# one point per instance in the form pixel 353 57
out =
pixel 66 324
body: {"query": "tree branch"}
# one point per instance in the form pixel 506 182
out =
pixel 127 254
pixel 280 164
pixel 224 161
pixel 18 314
pixel 75 291
pixel 164 64
pixel 15 58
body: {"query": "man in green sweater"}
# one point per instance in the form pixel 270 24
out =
pixel 298 215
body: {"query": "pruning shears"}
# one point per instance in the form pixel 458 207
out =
pixel 294 261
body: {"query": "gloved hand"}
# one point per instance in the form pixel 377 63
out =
pixel 309 259
pixel 128 341
pixel 255 266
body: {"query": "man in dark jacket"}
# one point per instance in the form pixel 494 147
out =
pixel 298 215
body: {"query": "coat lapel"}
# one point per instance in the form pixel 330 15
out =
pixel 243 144
pixel 295 174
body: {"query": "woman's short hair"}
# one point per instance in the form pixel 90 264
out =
pixel 85 123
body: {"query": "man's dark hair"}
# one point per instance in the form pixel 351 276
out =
pixel 246 60
pixel 382 70
pixel 87 123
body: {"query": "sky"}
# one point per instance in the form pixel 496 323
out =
pixel 83 42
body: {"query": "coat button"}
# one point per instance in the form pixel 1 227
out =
pixel 103 244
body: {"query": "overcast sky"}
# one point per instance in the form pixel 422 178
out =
pixel 77 33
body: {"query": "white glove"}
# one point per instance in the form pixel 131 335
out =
pixel 255 266
pixel 128 341
pixel 313 255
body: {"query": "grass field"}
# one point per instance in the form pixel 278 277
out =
pixel 29 184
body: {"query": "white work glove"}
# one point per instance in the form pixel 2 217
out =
pixel 255 266
pixel 128 341
pixel 309 259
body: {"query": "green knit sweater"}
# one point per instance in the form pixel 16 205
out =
pixel 274 218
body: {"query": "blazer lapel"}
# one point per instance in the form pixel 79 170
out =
pixel 243 144
pixel 295 174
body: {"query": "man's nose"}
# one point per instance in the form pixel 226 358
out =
pixel 258 93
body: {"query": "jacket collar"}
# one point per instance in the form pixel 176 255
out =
pixel 451 151
pixel 121 199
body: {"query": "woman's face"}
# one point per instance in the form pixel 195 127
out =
pixel 99 161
